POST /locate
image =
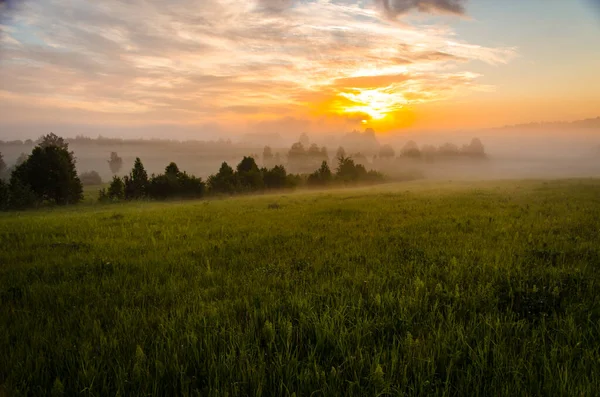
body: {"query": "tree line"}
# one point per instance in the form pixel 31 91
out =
pixel 49 175
pixel 247 177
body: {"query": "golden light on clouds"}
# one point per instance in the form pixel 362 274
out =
pixel 233 63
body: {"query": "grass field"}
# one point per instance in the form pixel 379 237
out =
pixel 466 289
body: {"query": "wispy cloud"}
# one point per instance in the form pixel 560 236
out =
pixel 224 60
pixel 393 8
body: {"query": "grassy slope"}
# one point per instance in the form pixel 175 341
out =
pixel 455 289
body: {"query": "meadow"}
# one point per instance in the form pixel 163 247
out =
pixel 418 288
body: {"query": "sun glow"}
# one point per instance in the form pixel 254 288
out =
pixel 376 103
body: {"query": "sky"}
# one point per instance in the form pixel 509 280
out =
pixel 215 67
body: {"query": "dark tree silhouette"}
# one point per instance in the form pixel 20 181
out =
pixel 136 184
pixel 275 178
pixel 115 163
pixel 322 176
pixel 49 173
pixel 116 190
pixel 174 183
pixel 267 155
pixel 172 170
pixel 4 195
pixel 52 140
pixel 248 174
pixel 224 181
pixel 348 171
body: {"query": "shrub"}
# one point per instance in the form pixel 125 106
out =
pixel 116 190
pixel 90 178
pixel 21 196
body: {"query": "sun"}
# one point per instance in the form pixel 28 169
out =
pixel 376 103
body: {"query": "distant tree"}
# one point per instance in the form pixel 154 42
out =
pixel 340 153
pixel 267 155
pixel 21 159
pixel 321 177
pixel 28 142
pixel 474 149
pixel 314 151
pixel 304 140
pixel 324 154
pixel 387 152
pixel 90 178
pixel 277 159
pixel 411 150
pixel 448 149
pixel 297 151
pixel 298 157
pixel 115 163
pixel 360 158
pixel 49 172
pixel 224 181
pixel 136 184
pixel 275 178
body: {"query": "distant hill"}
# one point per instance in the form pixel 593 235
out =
pixel 579 124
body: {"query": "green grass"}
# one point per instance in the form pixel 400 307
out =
pixel 407 289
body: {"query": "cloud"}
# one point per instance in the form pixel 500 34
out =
pixel 370 81
pixel 274 5
pixel 223 61
pixel 393 8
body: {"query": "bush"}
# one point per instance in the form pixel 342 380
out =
pixel 90 178
pixel 21 196
pixel 116 190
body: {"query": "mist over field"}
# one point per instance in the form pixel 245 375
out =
pixel 546 150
